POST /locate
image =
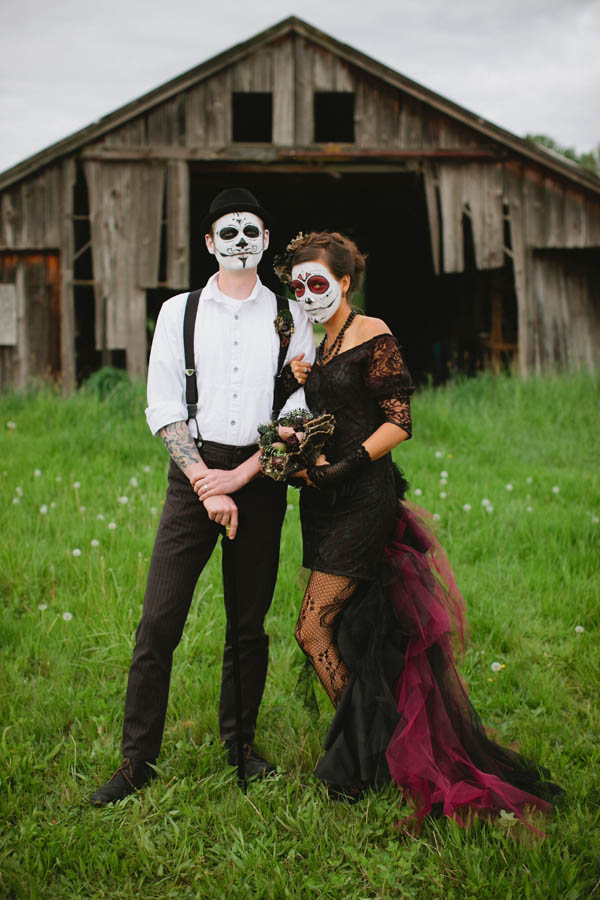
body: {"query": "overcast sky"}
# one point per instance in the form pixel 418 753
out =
pixel 527 65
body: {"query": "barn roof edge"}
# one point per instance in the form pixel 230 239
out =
pixel 70 144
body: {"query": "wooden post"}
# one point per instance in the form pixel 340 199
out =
pixel 67 302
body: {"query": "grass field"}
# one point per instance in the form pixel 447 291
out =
pixel 81 483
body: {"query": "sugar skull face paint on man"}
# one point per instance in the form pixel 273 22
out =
pixel 239 240
pixel 317 291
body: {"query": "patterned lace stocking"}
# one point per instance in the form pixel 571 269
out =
pixel 325 598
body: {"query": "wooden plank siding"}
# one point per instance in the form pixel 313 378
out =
pixel 30 212
pixel 125 215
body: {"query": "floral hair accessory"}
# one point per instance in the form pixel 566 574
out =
pixel 284 326
pixel 283 261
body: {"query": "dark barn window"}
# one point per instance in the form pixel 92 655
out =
pixel 252 117
pixel 334 117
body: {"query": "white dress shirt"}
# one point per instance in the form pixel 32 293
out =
pixel 236 350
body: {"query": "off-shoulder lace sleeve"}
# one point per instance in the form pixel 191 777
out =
pixel 389 380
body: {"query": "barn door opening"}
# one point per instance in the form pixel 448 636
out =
pixel 445 323
pixel 29 317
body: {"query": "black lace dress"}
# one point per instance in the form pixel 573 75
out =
pixel 345 529
pixel 402 711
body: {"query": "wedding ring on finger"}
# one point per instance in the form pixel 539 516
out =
pixel 227 530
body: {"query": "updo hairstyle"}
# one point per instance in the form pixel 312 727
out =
pixel 337 252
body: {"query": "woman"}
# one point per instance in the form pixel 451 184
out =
pixel 381 607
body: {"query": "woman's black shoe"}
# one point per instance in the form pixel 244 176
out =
pixel 131 775
pixel 254 763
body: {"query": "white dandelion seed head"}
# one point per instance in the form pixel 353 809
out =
pixel 37 473
pixel 529 509
pixel 76 552
pixel 112 526
pixel 509 487
pixel 100 517
pixel 443 482
pixel 436 517
pixel 16 499
pixel 95 542
pixel 485 502
pixel 418 492
pixel 43 509
pixel 11 425
pixel 579 629
pixel 19 491
pixel 556 489
pixel 489 508
pixel 146 469
pixel 153 510
pixel 123 500
pixel 133 481
pixel 529 479
pixel 67 616
pixel 82 509
pixel 58 479
pixel 467 507
pixel 443 474
pixel 595 520
pixel 495 667
pixel 76 485
pixel 443 495
pixel 42 606
pixel 438 454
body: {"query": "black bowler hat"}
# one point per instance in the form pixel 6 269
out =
pixel 233 200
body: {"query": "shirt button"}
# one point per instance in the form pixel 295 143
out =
pixel 232 422
pixel 235 343
pixel 235 368
pixel 236 317
pixel 235 396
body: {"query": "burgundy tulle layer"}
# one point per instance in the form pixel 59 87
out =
pixel 439 753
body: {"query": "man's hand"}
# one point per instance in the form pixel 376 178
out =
pixel 215 482
pixel 222 510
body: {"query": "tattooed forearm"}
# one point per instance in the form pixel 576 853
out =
pixel 177 439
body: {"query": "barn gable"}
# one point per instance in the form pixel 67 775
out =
pixel 116 201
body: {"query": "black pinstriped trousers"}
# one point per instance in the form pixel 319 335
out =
pixel 185 540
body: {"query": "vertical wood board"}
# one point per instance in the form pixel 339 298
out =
pixel 178 229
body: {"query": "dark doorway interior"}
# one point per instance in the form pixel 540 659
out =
pixel 441 322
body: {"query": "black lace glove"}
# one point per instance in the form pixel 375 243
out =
pixel 322 476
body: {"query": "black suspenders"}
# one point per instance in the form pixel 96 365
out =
pixel 191 383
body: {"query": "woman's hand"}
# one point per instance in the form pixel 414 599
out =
pixel 300 368
pixel 301 473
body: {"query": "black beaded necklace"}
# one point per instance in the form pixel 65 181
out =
pixel 324 355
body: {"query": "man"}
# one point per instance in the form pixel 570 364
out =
pixel 236 356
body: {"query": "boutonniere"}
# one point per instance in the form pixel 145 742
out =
pixel 284 326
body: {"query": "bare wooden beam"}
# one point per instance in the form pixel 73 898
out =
pixel 273 153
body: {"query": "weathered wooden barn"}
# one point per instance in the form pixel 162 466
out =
pixel 483 247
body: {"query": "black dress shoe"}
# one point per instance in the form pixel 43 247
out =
pixel 255 765
pixel 131 775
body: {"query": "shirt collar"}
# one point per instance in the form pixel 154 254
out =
pixel 211 291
